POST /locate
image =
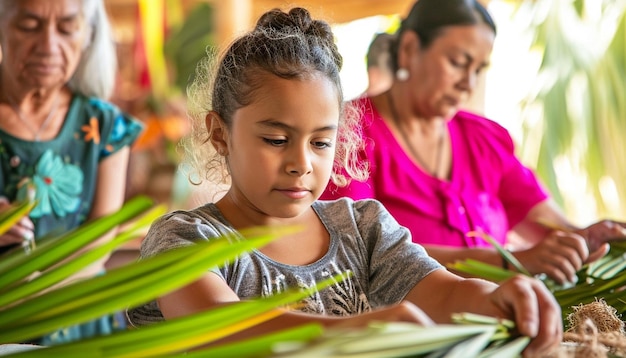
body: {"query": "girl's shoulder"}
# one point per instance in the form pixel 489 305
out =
pixel 346 212
pixel 347 204
pixel 207 215
pixel 185 227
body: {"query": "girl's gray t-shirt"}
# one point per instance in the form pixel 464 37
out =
pixel 365 240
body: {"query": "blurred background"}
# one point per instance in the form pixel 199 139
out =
pixel 557 82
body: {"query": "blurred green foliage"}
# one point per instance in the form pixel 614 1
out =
pixel 187 42
pixel 581 94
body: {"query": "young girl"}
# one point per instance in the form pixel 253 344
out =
pixel 277 124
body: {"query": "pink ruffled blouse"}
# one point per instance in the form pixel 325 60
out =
pixel 489 189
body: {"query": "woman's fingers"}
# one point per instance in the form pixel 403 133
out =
pixel 604 231
pixel 26 223
pixel 600 252
pixel 18 233
pixel 23 230
pixel 560 255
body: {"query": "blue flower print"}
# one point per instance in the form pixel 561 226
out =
pixel 57 186
pixel 103 105
pixel 119 128
pixel 124 129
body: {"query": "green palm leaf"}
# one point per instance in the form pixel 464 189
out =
pixel 25 312
pixel 17 267
pixel 11 216
pixel 187 332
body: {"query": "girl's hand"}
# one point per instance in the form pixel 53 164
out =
pixel 534 310
pixel 18 233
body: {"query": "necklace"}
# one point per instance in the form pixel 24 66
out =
pixel 396 120
pixel 44 124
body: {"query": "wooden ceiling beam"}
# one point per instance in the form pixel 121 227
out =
pixel 237 16
pixel 233 17
pixel 337 11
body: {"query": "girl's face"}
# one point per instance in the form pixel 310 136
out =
pixel 42 41
pixel 444 74
pixel 281 147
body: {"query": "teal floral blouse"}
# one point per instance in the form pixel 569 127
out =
pixel 61 173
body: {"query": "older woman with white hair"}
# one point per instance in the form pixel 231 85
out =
pixel 60 140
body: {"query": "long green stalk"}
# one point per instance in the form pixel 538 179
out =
pixel 262 345
pixel 173 272
pixel 480 269
pixel 472 347
pixel 179 334
pixel 11 216
pixel 397 339
pixel 18 267
pixel 384 340
pixel 34 318
pixel 58 274
pixel 508 350
pixel 504 253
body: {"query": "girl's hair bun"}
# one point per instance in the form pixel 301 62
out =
pixel 297 19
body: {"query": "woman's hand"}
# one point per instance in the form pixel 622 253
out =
pixel 559 255
pixel 18 233
pixel 602 232
pixel 534 310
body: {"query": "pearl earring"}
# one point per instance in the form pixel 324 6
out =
pixel 402 74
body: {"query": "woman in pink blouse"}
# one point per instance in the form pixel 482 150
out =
pixel 443 172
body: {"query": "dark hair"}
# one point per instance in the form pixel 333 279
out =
pixel 428 18
pixel 379 50
pixel 289 45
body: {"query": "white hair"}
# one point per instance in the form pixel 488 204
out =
pixel 96 71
